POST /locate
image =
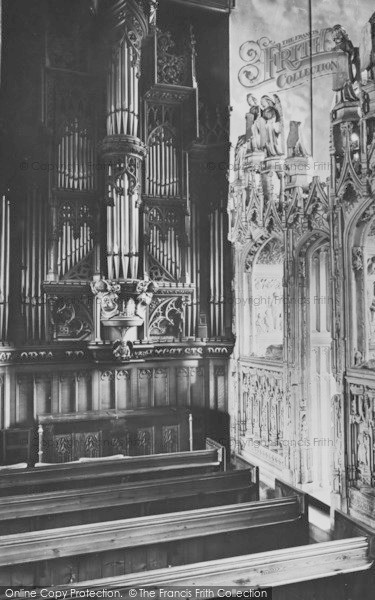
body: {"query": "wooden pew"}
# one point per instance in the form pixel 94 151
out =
pixel 64 437
pixel 286 490
pixel 346 526
pixel 96 472
pixel 106 503
pixel 57 556
pixel 337 570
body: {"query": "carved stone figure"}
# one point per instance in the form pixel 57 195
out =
pixel 272 115
pixel 358 358
pixel 371 164
pixel 255 126
pixel 144 298
pixel 357 258
pixel 363 450
pixel 108 293
pixel 295 146
pixel 348 69
pixel 367 49
pixel 122 350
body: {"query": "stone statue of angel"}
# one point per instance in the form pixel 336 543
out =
pixel 274 127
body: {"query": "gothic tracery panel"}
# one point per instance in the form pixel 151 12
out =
pixel 266 303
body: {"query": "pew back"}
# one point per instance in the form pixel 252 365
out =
pixel 55 556
pixel 96 472
pixel 65 437
pixel 107 503
pixel 325 567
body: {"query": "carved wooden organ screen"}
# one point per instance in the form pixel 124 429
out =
pixel 121 193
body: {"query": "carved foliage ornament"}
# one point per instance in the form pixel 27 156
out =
pixel 172 69
pixel 357 258
pixel 70 318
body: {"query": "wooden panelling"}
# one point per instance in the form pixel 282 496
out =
pixel 42 393
pixel 220 388
pixel 161 387
pixel 164 383
pixel 196 385
pixel 92 434
pixel 2 400
pixel 145 387
pixel 123 391
pixel 83 391
pixel 107 390
pixel 182 386
pixel 24 398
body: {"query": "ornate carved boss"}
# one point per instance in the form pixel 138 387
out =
pixel 123 306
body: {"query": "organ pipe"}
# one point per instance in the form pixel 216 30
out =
pixel 217 298
pixel 123 92
pixel 73 246
pixel 34 245
pixel 4 266
pixel 164 248
pixel 122 229
pixel 123 198
pixel 162 177
pixel 75 156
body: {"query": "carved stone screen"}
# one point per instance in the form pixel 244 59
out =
pixel 267 300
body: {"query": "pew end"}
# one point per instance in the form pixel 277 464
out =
pixel 239 463
pixel 211 444
pixel 346 526
pixel 285 490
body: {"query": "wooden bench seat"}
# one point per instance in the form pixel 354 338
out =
pixel 67 476
pixel 56 556
pixel 316 571
pixel 106 503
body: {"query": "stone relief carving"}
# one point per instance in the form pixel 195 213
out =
pixel 362 419
pixel 262 410
pixel 349 68
pixel 357 258
pixel 267 203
